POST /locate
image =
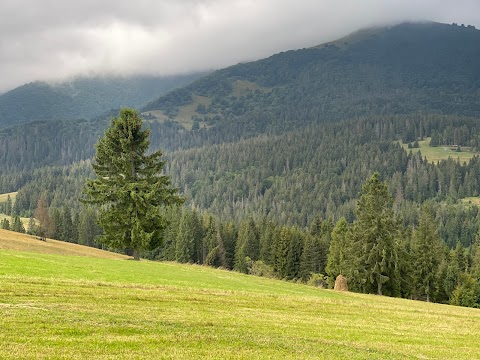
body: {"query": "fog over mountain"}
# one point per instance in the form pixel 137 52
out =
pixel 54 39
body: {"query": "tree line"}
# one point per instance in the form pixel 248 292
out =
pixel 376 251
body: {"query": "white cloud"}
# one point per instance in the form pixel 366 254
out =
pixel 51 39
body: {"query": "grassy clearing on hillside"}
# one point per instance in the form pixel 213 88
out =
pixel 472 200
pixel 244 87
pixel 10 240
pixel 77 307
pixel 24 220
pixel 185 113
pixel 4 197
pixel 437 153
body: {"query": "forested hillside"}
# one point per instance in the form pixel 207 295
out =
pixel 407 68
pixel 270 155
pixel 83 97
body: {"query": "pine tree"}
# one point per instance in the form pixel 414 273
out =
pixel 75 225
pixel 185 242
pixel 282 244
pixel 41 214
pixel 374 233
pixel 337 263
pixel 426 255
pixel 56 224
pixel 294 255
pixel 17 224
pixel 209 240
pixel 267 234
pixel 311 256
pixel 5 224
pixel 31 226
pixel 67 225
pixel 229 237
pixel 88 229
pixel 247 245
pixel 130 189
pixel 8 205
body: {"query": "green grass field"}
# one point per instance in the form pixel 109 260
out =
pixel 72 307
pixel 437 153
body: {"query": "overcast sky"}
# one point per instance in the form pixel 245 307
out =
pixel 53 39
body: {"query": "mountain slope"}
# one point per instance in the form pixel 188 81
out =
pixel 406 68
pixel 82 97
pixel 13 241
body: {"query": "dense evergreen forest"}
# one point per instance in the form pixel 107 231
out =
pixel 280 167
pixel 82 97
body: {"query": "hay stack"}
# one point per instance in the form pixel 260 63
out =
pixel 341 283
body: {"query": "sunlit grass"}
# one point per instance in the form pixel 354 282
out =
pixel 10 240
pixel 24 220
pixel 55 306
pixel 475 200
pixel 4 197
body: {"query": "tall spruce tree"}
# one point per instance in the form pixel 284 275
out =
pixel 374 232
pixel 41 214
pixel 247 245
pixel 338 255
pixel 427 254
pixel 185 242
pixel 130 189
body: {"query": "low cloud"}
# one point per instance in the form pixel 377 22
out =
pixel 54 39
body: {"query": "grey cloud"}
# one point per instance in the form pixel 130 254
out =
pixel 52 39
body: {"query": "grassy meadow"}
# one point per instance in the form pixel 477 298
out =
pixel 24 220
pixel 80 307
pixel 4 197
pixel 13 196
pixel 186 113
pixel 437 153
pixel 475 200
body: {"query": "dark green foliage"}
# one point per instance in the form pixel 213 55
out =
pixel 247 245
pixel 5 224
pixel 88 229
pixel 268 232
pixel 340 255
pixel 397 70
pixel 82 97
pixel 287 253
pixel 467 291
pixel 374 235
pixel 427 255
pixel 43 217
pixel 185 242
pixel 8 206
pixel 130 190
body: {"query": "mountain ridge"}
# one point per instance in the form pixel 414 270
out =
pixel 82 97
pixel 430 67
